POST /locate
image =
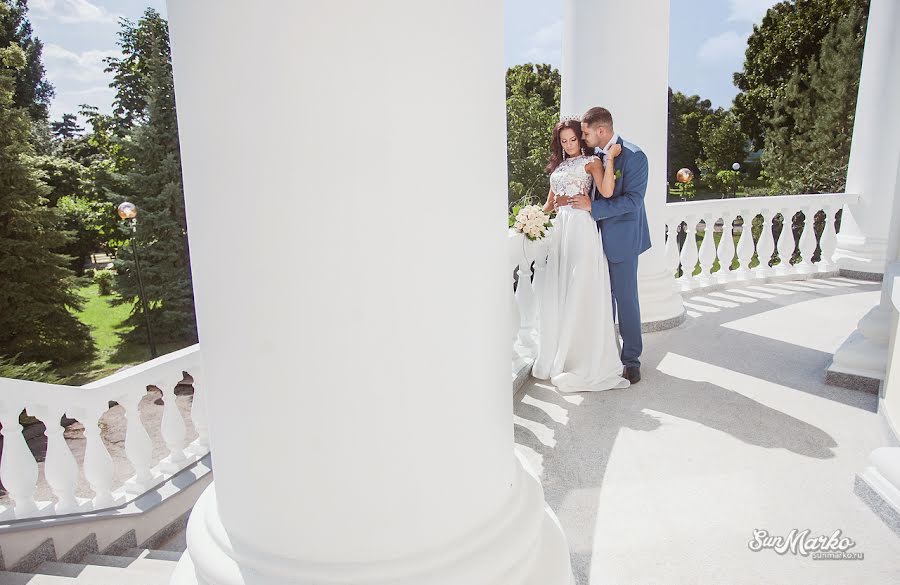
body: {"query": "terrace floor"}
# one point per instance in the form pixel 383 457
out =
pixel 731 429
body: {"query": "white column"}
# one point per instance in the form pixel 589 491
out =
pixel 862 244
pixel 637 96
pixel 870 230
pixel 361 417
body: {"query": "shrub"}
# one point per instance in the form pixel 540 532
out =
pixel 104 280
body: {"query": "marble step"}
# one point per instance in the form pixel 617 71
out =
pixel 156 554
pixel 9 578
pixel 108 570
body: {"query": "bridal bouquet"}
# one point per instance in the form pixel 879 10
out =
pixel 531 221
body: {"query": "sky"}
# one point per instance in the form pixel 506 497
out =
pixel 707 42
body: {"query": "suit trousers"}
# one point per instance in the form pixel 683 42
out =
pixel 623 281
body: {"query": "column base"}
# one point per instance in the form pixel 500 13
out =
pixel 860 362
pixel 523 545
pixel 879 486
pixel 862 254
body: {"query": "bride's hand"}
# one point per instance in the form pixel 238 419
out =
pixel 614 150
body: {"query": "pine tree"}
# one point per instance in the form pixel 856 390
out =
pixel 36 288
pixel 808 146
pixel 155 187
pixel 67 128
pixel 32 90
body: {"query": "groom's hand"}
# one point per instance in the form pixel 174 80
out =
pixel 581 201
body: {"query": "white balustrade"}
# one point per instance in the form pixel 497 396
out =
pixel 60 467
pixel 200 446
pixel 526 302
pixel 173 430
pixel 19 471
pixel 764 246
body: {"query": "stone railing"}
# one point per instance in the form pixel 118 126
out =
pixel 758 247
pixel 525 254
pixel 19 470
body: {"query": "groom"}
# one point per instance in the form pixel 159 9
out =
pixel 623 227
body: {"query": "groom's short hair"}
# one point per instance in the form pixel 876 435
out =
pixel 598 116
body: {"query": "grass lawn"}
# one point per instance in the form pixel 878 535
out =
pixel 107 325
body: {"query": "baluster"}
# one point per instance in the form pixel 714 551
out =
pixel 745 246
pixel 200 446
pixel 516 323
pixel 765 247
pixel 138 446
pixel 808 242
pixel 173 431
pixel 18 468
pixel 689 253
pixel 60 467
pixel 707 253
pixel 828 240
pixel 726 249
pixel 785 243
pixel 525 298
pixel 672 252
pixel 98 465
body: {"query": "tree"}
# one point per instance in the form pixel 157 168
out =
pixel 142 44
pixel 67 128
pixel 789 38
pixel 808 147
pixel 32 90
pixel 153 183
pixel 36 289
pixel 686 113
pixel 532 109
pixel 723 143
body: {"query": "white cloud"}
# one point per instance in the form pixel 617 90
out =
pixel 70 11
pixel 727 47
pixel 85 67
pixel 546 44
pixel 751 11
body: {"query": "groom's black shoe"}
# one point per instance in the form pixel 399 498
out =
pixel 632 374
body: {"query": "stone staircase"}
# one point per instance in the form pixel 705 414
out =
pixel 128 566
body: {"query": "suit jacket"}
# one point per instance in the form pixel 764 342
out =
pixel 622 219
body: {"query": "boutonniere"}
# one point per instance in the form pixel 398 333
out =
pixel 618 173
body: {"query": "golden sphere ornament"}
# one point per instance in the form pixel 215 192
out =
pixel 684 176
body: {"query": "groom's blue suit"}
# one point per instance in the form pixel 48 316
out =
pixel 623 227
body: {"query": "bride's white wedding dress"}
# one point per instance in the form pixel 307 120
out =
pixel 577 349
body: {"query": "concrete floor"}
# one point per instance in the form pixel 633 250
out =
pixel 730 430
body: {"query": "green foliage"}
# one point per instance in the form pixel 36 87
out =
pixel 723 145
pixel 91 222
pixel 532 109
pixel 31 90
pixel 67 128
pixel 36 288
pixel 808 145
pixel 144 45
pixel 684 191
pixel 789 38
pixel 686 113
pixel 11 367
pixel 104 280
pixel 151 165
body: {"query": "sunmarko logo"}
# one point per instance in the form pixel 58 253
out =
pixel 800 542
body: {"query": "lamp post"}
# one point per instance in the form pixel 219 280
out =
pixel 684 176
pixel 128 211
pixel 735 167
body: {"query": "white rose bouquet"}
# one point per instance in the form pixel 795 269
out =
pixel 531 221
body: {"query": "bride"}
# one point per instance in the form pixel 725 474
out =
pixel 578 350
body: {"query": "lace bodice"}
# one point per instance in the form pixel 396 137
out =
pixel 570 178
